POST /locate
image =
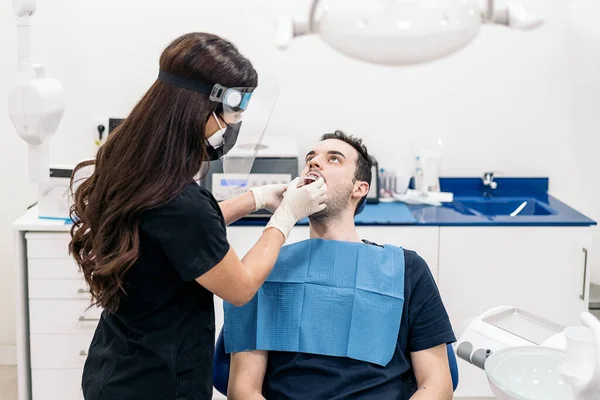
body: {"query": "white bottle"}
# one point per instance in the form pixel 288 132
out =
pixel 419 175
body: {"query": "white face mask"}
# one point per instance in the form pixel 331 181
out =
pixel 217 138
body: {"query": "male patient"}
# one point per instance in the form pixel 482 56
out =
pixel 418 368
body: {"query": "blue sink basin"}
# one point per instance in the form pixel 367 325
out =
pixel 495 207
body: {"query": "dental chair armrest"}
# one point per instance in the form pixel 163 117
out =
pixel 453 366
pixel 221 364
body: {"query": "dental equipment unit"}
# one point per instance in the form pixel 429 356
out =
pixel 36 104
pixel 526 357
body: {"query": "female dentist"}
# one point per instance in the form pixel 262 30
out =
pixel 152 243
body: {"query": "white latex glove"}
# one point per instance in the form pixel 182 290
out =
pixel 269 196
pixel 298 203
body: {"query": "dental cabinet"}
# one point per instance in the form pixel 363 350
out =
pixel 540 266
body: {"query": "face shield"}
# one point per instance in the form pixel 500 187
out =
pixel 247 114
pixel 243 121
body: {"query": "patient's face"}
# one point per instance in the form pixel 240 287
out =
pixel 335 161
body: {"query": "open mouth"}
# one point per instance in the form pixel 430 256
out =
pixel 309 178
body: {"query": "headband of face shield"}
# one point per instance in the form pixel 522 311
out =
pixel 234 100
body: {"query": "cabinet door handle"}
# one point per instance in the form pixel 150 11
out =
pixel 585 260
pixel 84 319
pixel 80 291
pixel 83 353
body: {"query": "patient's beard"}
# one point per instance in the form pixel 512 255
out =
pixel 337 203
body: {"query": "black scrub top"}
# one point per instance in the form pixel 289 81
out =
pixel 160 342
pixel 425 324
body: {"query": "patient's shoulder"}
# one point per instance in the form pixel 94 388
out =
pixel 415 266
pixel 413 262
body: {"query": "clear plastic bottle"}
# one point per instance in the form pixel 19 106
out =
pixel 419 175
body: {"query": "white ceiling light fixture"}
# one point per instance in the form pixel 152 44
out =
pixel 402 32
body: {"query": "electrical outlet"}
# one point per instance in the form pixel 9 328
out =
pixel 113 123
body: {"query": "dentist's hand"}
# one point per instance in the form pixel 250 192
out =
pixel 269 196
pixel 298 203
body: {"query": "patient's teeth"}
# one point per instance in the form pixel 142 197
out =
pixel 309 179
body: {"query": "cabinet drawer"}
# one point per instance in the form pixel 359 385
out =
pixel 53 269
pixel 54 384
pixel 68 289
pixel 48 245
pixel 59 351
pixel 62 316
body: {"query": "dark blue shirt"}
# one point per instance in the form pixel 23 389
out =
pixel 425 324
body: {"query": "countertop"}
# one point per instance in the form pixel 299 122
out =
pixel 399 214
pixel 469 189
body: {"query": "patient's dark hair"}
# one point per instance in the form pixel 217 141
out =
pixel 364 164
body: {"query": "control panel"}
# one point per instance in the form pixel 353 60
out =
pixel 227 186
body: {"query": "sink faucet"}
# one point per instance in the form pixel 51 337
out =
pixel 489 184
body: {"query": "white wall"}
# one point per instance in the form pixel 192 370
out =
pixel 509 102
pixel 584 97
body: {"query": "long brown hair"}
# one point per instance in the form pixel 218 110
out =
pixel 148 160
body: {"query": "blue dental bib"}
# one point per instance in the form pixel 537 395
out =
pixel 325 297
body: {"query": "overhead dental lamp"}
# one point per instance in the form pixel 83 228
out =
pixel 402 32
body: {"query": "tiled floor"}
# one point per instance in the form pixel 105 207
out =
pixel 8 383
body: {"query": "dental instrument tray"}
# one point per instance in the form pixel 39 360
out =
pixel 503 327
pixel 524 325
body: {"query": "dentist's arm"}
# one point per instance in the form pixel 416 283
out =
pixel 237 207
pixel 434 381
pixel 237 281
pixel 268 197
pixel 246 375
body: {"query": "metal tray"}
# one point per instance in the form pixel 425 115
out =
pixel 524 325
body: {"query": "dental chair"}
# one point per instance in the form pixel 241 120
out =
pixel 222 359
